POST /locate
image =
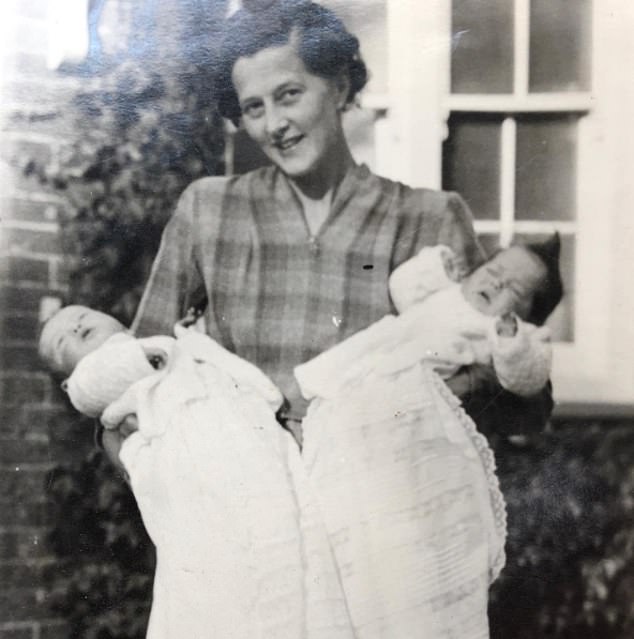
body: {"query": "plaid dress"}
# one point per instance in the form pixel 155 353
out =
pixel 278 296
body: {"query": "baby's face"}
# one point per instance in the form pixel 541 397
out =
pixel 505 283
pixel 74 332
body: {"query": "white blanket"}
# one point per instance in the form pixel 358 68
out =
pixel 410 499
pixel 241 549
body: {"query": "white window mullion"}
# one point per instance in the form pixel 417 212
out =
pixel 507 180
pixel 534 102
pixel 544 227
pixel 521 39
pixel 527 227
pixel 486 227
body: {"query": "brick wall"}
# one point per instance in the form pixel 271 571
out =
pixel 37 429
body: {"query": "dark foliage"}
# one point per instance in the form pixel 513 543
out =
pixel 103 582
pixel 144 126
pixel 570 571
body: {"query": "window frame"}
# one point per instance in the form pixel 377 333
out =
pixel 595 370
pixel 592 368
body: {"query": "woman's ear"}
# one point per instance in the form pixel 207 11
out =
pixel 64 386
pixel 342 84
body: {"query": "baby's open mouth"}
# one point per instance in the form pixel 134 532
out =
pixel 288 143
pixel 485 296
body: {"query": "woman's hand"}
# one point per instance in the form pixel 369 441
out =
pixel 191 317
pixel 460 383
pixel 112 439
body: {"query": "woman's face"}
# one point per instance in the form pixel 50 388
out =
pixel 292 114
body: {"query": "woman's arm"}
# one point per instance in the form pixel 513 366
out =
pixel 429 218
pixel 497 411
pixel 165 299
pixel 110 441
pixel 456 231
pixel 174 276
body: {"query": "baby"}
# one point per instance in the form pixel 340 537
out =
pixel 490 316
pixel 99 357
pixel 406 484
pixel 102 359
pixel 241 548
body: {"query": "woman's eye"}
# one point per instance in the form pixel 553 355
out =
pixel 253 110
pixel 289 95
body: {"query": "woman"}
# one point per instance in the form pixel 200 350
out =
pixel 295 257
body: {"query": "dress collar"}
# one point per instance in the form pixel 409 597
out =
pixel 289 209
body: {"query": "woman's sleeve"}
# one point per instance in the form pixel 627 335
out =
pixel 430 218
pixel 174 276
pixel 497 411
pixel 456 231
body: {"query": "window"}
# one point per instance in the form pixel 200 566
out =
pixel 525 108
pixel 519 87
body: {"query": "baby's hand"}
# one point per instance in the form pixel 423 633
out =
pixel 455 268
pixel 191 317
pixel 506 326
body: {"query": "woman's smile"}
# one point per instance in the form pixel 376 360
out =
pixel 288 143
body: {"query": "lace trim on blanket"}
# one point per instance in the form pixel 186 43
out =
pixel 481 445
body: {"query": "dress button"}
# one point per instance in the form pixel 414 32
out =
pixel 313 245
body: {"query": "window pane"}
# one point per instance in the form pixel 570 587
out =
pixel 367 19
pixel 545 172
pixel 561 322
pixel 471 162
pixel 560 45
pixel 482 58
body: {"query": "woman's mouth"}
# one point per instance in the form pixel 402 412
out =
pixel 288 143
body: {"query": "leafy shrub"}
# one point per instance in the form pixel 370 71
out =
pixel 144 127
pixel 103 582
pixel 143 131
pixel 570 569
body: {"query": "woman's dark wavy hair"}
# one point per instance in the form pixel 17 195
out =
pixel 325 45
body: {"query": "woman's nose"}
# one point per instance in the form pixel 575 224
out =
pixel 276 124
